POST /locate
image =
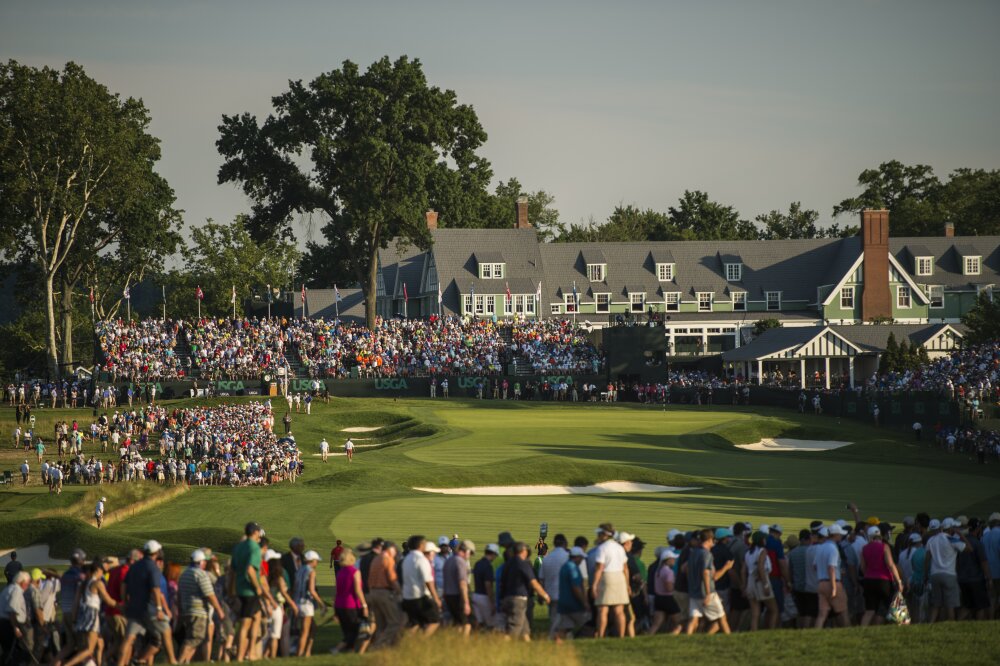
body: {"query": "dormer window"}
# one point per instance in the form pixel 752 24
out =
pixel 972 265
pixel 596 272
pixel 491 271
pixel 734 272
pixel 665 272
pixel 925 265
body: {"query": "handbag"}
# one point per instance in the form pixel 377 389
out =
pixel 898 612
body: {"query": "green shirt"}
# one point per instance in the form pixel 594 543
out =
pixel 246 554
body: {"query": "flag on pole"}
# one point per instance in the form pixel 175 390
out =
pixel 439 294
pixel 538 294
pixel 576 297
pixel 270 296
pixel 91 295
pixel 125 294
pixel 232 299
pixel 406 295
pixel 199 294
pixel 336 293
pixel 507 289
pixel 164 288
pixel 303 294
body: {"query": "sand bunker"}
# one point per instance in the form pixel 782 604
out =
pixel 792 445
pixel 32 556
pixel 596 489
pixel 361 429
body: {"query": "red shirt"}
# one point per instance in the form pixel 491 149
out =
pixel 114 586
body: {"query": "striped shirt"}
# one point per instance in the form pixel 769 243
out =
pixel 194 587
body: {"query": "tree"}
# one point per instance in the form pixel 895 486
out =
pixel 762 325
pixel 75 162
pixel 367 150
pixel 709 220
pixel 796 223
pixel 223 256
pixel 971 199
pixel 911 194
pixel 889 360
pixel 499 210
pixel 983 320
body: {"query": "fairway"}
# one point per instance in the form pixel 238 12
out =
pixel 421 443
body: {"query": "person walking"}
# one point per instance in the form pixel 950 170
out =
pixel 87 617
pixel 196 596
pixel 519 582
pixel 99 511
pixel 308 600
pixel 349 449
pixel 757 583
pixel 609 583
pixel 702 576
pixel 572 606
pixel 832 596
pixel 324 449
pixel 879 573
pixel 384 596
pixel 420 598
pixel 253 596
pixel 484 603
pixel 941 566
pixel 664 605
pixel 14 616
pixel 456 587
pixel 350 606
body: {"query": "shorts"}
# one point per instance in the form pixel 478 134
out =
pixel 483 609
pixel 683 601
pixel 807 603
pixel 974 595
pixel 195 630
pixel 759 590
pixel 275 624
pixel 665 603
pixel 828 602
pixel 612 590
pixel 453 602
pixel 571 621
pixel 709 608
pixel 149 627
pixel 945 591
pixel 878 593
pixel 249 607
pixel 422 612
pixel 515 609
pixel 116 626
pixel 306 608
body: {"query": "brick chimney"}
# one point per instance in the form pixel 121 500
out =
pixel 875 298
pixel 949 229
pixel 432 220
pixel 522 213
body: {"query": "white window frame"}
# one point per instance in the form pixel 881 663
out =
pixel 556 308
pixel 972 265
pixel 491 271
pixel 847 298
pixel 570 303
pixel 776 302
pixel 701 303
pixel 672 301
pixel 739 301
pixel 467 303
pixel 904 294
pixel 925 266
pixel 665 272
pixel 529 304
pixel 508 304
pixel 931 289
pixel 596 272
pixel 734 272
pixel 602 307
pixel 490 304
pixel 632 301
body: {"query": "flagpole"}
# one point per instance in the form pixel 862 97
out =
pixel 234 301
pixel 268 301
pixel 164 288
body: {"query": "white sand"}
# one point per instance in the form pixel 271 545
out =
pixel 596 489
pixel 792 445
pixel 32 556
pixel 361 429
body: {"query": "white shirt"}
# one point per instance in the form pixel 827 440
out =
pixel 416 574
pixel 944 553
pixel 612 556
pixel 324 446
pixel 551 565
pixel 99 509
pixel 349 445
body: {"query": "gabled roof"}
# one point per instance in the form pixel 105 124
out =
pixel 455 252
pixel 593 255
pixel 489 256
pixel 661 255
pixel 948 259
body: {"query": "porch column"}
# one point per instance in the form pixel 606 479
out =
pixel 760 372
pixel 850 370
pixel 704 341
pixel 802 373
pixel 827 364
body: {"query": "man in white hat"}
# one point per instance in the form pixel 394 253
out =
pixel 940 565
pixel 196 596
pixel 572 606
pixel 832 596
pixel 421 602
pixel 99 511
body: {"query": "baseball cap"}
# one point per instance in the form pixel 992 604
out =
pixel 948 523
pixel 104 499
pixel 443 540
pixel 935 524
pixel 962 521
pixel 837 529
pixel 909 521
pixel 36 574
pixel 272 555
pixel 431 547
pixel 723 532
pixel 493 548
pixel 575 551
pixel 152 546
pixel 777 528
pixel 824 531
pixel 505 539
pixel 625 537
pixel 669 554
pixel 199 555
pixel 765 528
pixel 312 556
pixel 995 516
pixel 78 555
pixel 252 527
pixel 874 531
pixel 915 538
pixel 873 520
pixel 468 545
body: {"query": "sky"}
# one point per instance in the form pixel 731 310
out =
pixel 758 103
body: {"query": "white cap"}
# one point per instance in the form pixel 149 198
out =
pixel 443 540
pixel 312 556
pixel 576 551
pixel 777 528
pixel 765 528
pixel 935 524
pixel 624 537
pixel 431 547
pixel 493 548
pixel 874 531
pixel 837 529
pixel 948 523
pixel 824 531
pixel 272 555
pixel 669 554
pixel 672 534
pixel 104 499
pixel 915 538
pixel 198 556
pixel 841 522
pixel 152 546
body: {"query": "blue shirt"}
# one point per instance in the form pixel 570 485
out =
pixel 827 555
pixel 569 578
pixel 991 542
pixel 142 578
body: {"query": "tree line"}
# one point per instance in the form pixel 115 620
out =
pixel 84 216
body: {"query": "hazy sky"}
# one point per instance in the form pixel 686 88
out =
pixel 600 103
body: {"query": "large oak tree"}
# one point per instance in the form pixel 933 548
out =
pixel 368 150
